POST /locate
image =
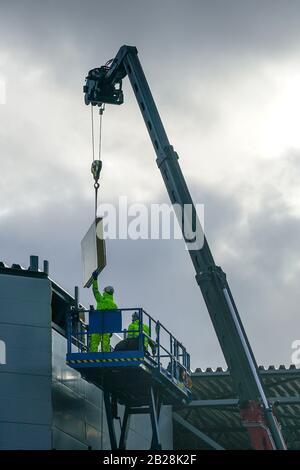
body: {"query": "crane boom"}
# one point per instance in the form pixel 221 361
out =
pixel 104 85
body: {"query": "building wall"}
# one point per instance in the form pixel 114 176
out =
pixel 25 379
pixel 77 406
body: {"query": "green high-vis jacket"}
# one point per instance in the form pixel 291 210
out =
pixel 104 301
pixel 133 332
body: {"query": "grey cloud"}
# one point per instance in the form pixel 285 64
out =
pixel 174 32
pixel 262 260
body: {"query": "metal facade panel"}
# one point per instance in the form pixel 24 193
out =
pixel 93 414
pixel 68 411
pixel 60 371
pixel 35 411
pixel 141 425
pixel 26 361
pixel 25 379
pixel 92 252
pixel 18 311
pixel 24 436
pixel 166 427
pixel 77 405
pixel 62 441
pixel 29 289
pixel 140 431
pixel 25 300
pixel 93 437
pixel 26 337
pixel 135 441
pixel 92 394
pixel 105 438
pixel 24 385
pixel 71 380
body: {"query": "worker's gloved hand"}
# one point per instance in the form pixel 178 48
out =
pixel 95 275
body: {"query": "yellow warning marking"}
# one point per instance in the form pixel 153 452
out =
pixel 92 361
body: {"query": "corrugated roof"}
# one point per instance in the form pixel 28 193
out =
pixel 214 409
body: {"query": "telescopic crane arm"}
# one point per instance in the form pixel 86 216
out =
pixel 104 85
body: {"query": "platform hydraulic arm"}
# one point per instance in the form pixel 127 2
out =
pixel 104 85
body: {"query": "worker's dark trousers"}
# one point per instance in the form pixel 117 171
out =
pixel 129 344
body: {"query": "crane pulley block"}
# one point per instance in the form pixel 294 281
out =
pixel 98 90
pixel 96 169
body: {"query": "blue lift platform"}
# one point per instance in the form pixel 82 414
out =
pixel 154 371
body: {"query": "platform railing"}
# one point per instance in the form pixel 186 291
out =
pixel 168 354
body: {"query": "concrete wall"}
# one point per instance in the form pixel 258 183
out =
pixel 25 379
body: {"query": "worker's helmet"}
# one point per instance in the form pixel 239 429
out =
pixel 109 289
pixel 135 316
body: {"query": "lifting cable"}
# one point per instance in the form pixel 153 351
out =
pixel 96 170
pixel 97 164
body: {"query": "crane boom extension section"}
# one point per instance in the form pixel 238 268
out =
pixel 104 85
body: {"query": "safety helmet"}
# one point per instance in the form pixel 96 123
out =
pixel 135 316
pixel 109 289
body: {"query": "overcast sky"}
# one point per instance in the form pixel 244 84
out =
pixel 226 78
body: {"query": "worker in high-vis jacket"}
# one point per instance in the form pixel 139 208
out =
pixel 133 331
pixel 105 301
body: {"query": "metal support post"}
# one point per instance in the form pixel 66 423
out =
pixel 110 421
pixel 124 428
pixel 155 443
